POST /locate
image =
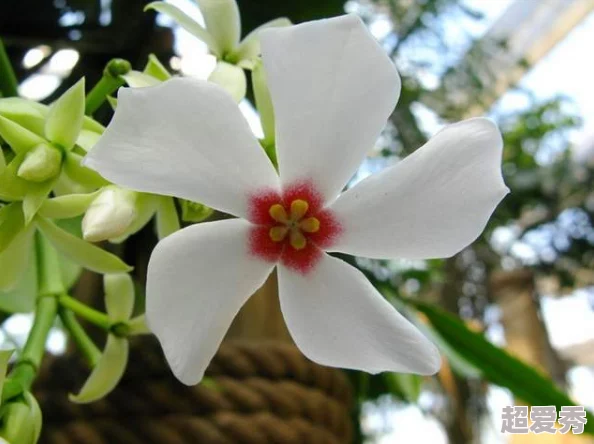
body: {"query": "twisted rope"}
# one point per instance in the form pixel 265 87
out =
pixel 258 393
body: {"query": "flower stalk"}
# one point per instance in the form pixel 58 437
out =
pixel 85 344
pixel 107 85
pixel 84 311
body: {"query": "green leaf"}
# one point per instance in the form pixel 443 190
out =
pixel 24 112
pixel 4 358
pixel 79 251
pixel 67 206
pixel 119 296
pixel 107 373
pixel 12 222
pixel 35 198
pixel 21 299
pixel 263 103
pixel 12 187
pixel 87 139
pixel 15 259
pixel 137 326
pixel 222 22
pixel 18 137
pixel 404 385
pixel 156 69
pixel 65 119
pixel 495 364
pixel 186 22
pixel 78 173
pixel 231 78
pixel 69 270
pixel 249 48
pixel 137 79
pixel 167 218
pixel 91 124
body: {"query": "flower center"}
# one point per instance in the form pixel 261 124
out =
pixel 294 225
pixel 291 227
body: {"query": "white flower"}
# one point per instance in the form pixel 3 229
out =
pixel 332 88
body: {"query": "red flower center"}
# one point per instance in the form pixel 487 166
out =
pixel 292 228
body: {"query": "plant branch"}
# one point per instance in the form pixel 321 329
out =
pixel 8 80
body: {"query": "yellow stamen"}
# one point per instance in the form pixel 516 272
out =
pixel 277 234
pixel 310 225
pixel 298 209
pixel 278 213
pixel 298 240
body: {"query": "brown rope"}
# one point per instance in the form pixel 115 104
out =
pixel 259 393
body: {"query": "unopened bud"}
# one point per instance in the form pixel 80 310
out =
pixel 110 214
pixel 41 163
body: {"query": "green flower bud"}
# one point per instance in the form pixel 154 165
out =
pixel 21 420
pixel 194 211
pixel 110 214
pixel 41 163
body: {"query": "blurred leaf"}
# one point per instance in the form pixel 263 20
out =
pixel 107 373
pixel 21 299
pixel 18 137
pixel 496 365
pixel 155 68
pixel 15 259
pixel 406 385
pixel 186 22
pixel 119 296
pixel 65 119
pixel 79 251
pixel 167 218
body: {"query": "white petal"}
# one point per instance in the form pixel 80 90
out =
pixel 332 88
pixel 337 318
pixel 222 22
pixel 184 138
pixel 198 279
pixel 433 203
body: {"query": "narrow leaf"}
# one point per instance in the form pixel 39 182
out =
pixel 167 218
pixel 222 22
pixel 107 373
pixel 18 137
pixel 137 79
pixel 78 173
pixel 12 223
pixel 263 102
pixel 79 251
pixel 15 259
pixel 87 139
pixel 4 358
pixel 13 187
pixel 156 69
pixel 65 119
pixel 496 365
pixel 35 198
pixel 24 112
pixel 249 48
pixel 65 207
pixel 21 299
pixel 119 296
pixel 186 22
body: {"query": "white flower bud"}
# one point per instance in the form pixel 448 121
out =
pixel 41 163
pixel 110 214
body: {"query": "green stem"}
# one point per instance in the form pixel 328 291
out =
pixel 8 81
pixel 80 337
pixel 109 83
pixel 86 312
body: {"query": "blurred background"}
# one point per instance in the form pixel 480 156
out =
pixel 527 283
